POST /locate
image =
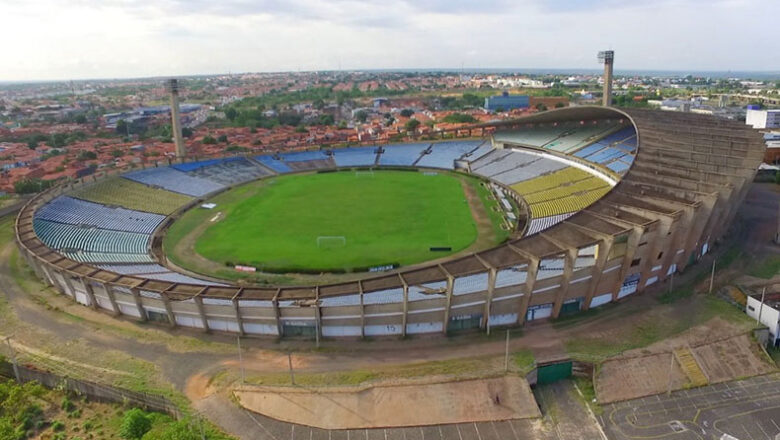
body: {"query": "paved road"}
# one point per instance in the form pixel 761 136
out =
pixel 746 410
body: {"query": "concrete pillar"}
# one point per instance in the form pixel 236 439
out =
pixel 448 303
pixel 405 317
pixel 605 247
pixel 362 311
pixel 90 293
pixel 631 246
pixel 530 282
pixel 489 299
pixel 112 298
pixel 139 303
pixel 169 310
pixel 239 319
pixel 202 312
pixel 568 268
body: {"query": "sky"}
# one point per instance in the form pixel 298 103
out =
pixel 78 39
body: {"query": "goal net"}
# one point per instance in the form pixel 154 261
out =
pixel 331 241
pixel 364 173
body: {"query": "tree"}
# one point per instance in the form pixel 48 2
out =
pixel 559 105
pixel 209 140
pixel 135 424
pixel 122 127
pixel 32 144
pixel 30 186
pixel 116 152
pixel 326 120
pixel 87 155
pixel 186 132
pixel 541 107
pixel 361 116
pixel 231 113
pixel 222 138
pixel 407 112
pixel 412 124
pixel 459 118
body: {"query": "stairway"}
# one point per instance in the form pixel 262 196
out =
pixel 690 367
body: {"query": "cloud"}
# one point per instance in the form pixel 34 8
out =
pixel 131 38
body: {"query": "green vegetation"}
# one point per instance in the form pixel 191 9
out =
pixel 29 186
pixel 31 411
pixel 649 329
pixel 464 368
pixel 339 221
pixel 459 118
pixel 766 268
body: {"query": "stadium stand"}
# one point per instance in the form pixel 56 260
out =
pixel 134 269
pixel 484 149
pixel 509 161
pixel 528 170
pixel 302 156
pixel 489 158
pixel 117 191
pixel 192 166
pixel 402 154
pixel 554 179
pixel 315 164
pixel 100 257
pixel 230 171
pixel 72 211
pixel 562 137
pixel 570 203
pixel 443 154
pixel 542 223
pixel 173 180
pixel 60 236
pixel 355 157
pixel 274 164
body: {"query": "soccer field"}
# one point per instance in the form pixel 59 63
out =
pixel 337 221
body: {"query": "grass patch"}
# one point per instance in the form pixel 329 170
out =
pixel 650 330
pixel 588 395
pixel 522 363
pixel 766 268
pixel 283 224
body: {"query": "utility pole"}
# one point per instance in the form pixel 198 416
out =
pixel 289 363
pixel 761 306
pixel 506 353
pixel 240 360
pixel 712 275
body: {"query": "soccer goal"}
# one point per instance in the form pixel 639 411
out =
pixel 364 173
pixel 331 241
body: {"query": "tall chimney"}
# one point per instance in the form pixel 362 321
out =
pixel 173 88
pixel 607 57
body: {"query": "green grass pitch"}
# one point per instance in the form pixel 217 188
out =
pixel 384 217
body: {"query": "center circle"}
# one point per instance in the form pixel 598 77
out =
pixel 341 221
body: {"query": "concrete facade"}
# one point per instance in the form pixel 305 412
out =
pixel 689 177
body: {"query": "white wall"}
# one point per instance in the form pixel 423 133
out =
pixel 769 316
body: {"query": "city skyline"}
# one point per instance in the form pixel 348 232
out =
pixel 77 39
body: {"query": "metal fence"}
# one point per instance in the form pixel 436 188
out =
pixel 92 390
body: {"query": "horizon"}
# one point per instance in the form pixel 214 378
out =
pixel 764 75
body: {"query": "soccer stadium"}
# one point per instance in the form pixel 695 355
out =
pixel 517 221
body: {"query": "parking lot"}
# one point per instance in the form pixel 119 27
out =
pixel 745 410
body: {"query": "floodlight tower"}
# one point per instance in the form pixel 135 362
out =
pixel 173 88
pixel 606 57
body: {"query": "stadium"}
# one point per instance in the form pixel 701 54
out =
pixel 518 221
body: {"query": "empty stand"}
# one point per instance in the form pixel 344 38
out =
pixel 444 154
pixel 60 236
pixel 355 157
pixel 173 180
pixel 405 155
pixel 117 191
pixel 72 211
pixel 230 171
